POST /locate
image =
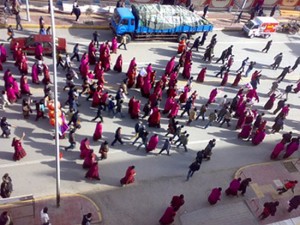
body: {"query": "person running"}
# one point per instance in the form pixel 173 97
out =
pixel 195 166
pixel 118 137
pixel 270 208
pixel 166 147
pixel 289 185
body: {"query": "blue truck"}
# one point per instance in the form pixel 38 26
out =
pixel 155 21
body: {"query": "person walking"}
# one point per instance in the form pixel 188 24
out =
pixel 123 42
pixel 244 184
pixel 168 216
pixel 6 186
pixel 280 105
pixel 267 47
pixel 18 21
pixel 205 10
pixel 103 150
pixel 195 166
pixel 98 114
pixel 118 137
pixel 45 219
pixel 215 195
pixel 277 61
pixel 129 177
pixel 239 17
pixel 289 185
pixel 71 139
pixel 87 219
pixel 270 208
pixel 211 118
pixel 96 38
pixel 183 140
pixel 166 147
pixel 294 203
pixel 202 112
pixel 284 72
pixel 250 68
pixel 196 44
pixel 296 64
pixel 244 63
pixel 10 33
pixel 75 52
pixel 177 202
pixel 77 12
pixel 233 187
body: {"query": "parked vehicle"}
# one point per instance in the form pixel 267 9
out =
pixel 260 26
pixel 154 21
pixel 28 44
pixel 290 28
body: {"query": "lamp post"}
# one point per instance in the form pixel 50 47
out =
pixel 55 105
pixel 27 10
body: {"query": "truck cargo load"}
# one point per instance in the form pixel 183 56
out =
pixel 154 21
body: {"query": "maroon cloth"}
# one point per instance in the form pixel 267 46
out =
pixel 258 137
pixel 129 176
pixel 237 79
pixel 93 172
pixel 201 75
pixel 89 160
pixel 269 104
pixel 245 132
pixel 277 149
pixel 225 79
pixel 154 118
pixel 177 202
pixel 168 216
pixel 98 132
pixel 291 148
pixel 152 143
pixel 170 66
pixel 233 187
pixel 212 96
pixel 84 148
pixel 19 150
pixel 214 196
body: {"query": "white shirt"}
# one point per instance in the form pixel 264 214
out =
pixel 44 217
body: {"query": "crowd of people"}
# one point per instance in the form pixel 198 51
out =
pixel 251 124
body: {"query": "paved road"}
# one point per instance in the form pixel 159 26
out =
pixel 158 177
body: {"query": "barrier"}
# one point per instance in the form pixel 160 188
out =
pixel 19 201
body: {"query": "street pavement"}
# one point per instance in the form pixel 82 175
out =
pixel 158 177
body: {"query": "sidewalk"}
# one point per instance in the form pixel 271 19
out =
pixel 64 20
pixel 266 178
pixel 70 212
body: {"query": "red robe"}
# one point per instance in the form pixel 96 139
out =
pixel 237 79
pixel 225 79
pixel 84 150
pixel 214 196
pixel 258 137
pixel 93 172
pixel 201 75
pixel 118 65
pixel 277 149
pixel 19 150
pixel 154 118
pixel 129 176
pixel 98 132
pixel 152 143
pixel 168 217
pixel 170 66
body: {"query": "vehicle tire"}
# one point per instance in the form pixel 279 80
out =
pixel 267 36
pixel 182 36
pixel 128 37
pixel 292 31
pixel 251 36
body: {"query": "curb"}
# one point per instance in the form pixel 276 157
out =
pixel 238 172
pixel 79 26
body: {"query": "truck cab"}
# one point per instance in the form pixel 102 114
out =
pixel 122 22
pixel 260 26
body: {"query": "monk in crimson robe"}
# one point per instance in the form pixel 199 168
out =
pixel 119 63
pixel 237 79
pixel 215 196
pixel 154 118
pixel 212 96
pixel 170 66
pixel 98 131
pixel 129 176
pixel 84 148
pixel 152 143
pixel 177 202
pixel 168 217
pixel 93 172
pixel 201 75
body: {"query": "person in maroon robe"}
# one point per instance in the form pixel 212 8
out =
pixel 212 96
pixel 259 136
pixel 292 147
pixel 131 77
pixel 146 88
pixel 215 196
pixel 170 66
pixel 114 45
pixel 168 105
pixel 246 131
pixel 3 52
pixel 23 67
pixel 174 110
pixel 19 150
pixel 46 80
pixel 186 73
pixel 106 62
pixel 279 147
pixel 119 63
pixel 152 144
pixel 233 187
pixel 177 202
pixel 129 177
pixel 270 208
pixel 98 131
pixel 168 216
pixel 269 104
pixel 24 86
pixel 39 51
pixel 136 108
pixel 201 75
pixel 84 148
pixel 89 160
pixel 11 95
pixel 92 53
pixel 93 172
pixel 154 118
pixel 297 88
pixel 131 66
pixel 225 79
pixel 130 104
pixel 237 79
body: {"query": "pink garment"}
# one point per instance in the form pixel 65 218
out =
pixel 174 110
pixel 252 94
pixel 149 69
pixel 169 104
pixel 131 66
pixel 34 74
pixel 214 196
pixel 84 150
pixel 170 66
pixel 245 132
pixel 258 137
pixel 186 73
pixel 98 132
pixel 276 151
pixel 3 53
pixel 25 89
pixel 11 95
pixel 291 148
pixel 201 75
pixel 233 187
pixel 39 51
pixel 152 143
pixel 225 79
pixel 212 96
pixel 114 45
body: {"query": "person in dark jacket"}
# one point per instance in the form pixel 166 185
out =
pixel 18 21
pixel 195 166
pixel 77 12
pixel 118 137
pixel 294 203
pixel 75 52
pixel 267 47
pixel 280 105
pixel 87 218
pixel 244 184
